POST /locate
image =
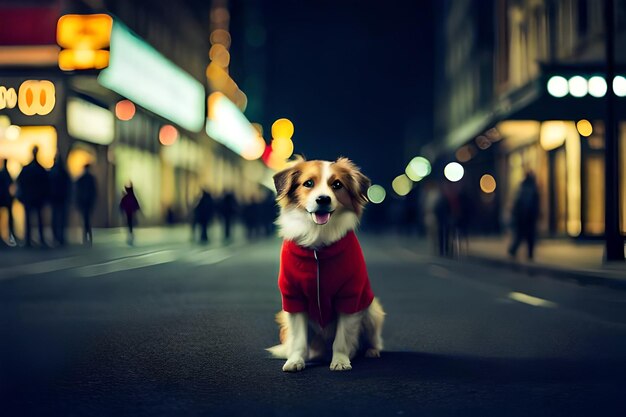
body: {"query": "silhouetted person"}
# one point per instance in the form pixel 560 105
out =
pixel 60 184
pixel 32 187
pixel 6 199
pixel 203 215
pixel 86 195
pixel 443 216
pixel 525 215
pixel 129 206
pixel 251 218
pixel 228 209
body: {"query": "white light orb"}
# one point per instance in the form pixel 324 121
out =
pixel 454 171
pixel 557 86
pixel 577 86
pixel 597 86
pixel 12 132
pixel 619 86
pixel 418 168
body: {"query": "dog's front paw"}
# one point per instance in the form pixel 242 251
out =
pixel 293 365
pixel 340 362
pixel 372 353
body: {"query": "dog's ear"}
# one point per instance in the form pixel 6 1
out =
pixel 359 182
pixel 285 181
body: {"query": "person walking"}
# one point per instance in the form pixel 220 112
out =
pixel 228 209
pixel 86 195
pixel 129 206
pixel 32 188
pixel 6 200
pixel 525 215
pixel 60 184
pixel 203 215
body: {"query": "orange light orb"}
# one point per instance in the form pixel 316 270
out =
pixel 125 110
pixel 282 129
pixel 282 147
pixel 168 134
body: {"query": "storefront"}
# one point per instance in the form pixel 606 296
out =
pixel 112 101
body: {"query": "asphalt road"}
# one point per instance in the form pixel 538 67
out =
pixel 176 329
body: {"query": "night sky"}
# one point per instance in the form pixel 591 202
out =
pixel 355 77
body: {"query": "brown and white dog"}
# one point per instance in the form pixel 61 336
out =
pixel 323 279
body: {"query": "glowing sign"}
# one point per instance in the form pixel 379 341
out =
pixel 75 31
pixel 89 122
pixel 8 97
pixel 227 125
pixel 36 97
pixel 137 71
pixel 84 37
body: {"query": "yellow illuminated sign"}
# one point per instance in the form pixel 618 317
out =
pixel 36 97
pixel 8 97
pixel 83 38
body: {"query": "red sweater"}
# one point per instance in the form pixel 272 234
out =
pixel 341 287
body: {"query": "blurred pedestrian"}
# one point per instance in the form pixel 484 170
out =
pixel 59 194
pixel 203 214
pixel 129 206
pixel 86 195
pixel 250 214
pixel 525 215
pixel 32 189
pixel 6 200
pixel 442 210
pixel 228 210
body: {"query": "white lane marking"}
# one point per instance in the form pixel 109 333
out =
pixel 125 264
pixel 38 267
pixel 438 271
pixel 530 300
pixel 199 258
pixel 210 257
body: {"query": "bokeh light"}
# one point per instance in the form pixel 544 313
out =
pixel 552 134
pixel 584 127
pixel 482 142
pixel 254 150
pixel 557 86
pixel 125 110
pixel 619 86
pixel 282 148
pixel 577 86
pixel 220 36
pixel 418 168
pixel 464 153
pixel 487 184
pixel 402 185
pixel 12 132
pixel 597 86
pixel 220 55
pixel 282 128
pixel 168 134
pixel 376 194
pixel 454 171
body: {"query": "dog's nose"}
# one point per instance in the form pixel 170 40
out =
pixel 323 200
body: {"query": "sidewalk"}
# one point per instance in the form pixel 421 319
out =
pixel 560 258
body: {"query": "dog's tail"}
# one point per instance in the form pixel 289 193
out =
pixel 281 351
pixel 278 351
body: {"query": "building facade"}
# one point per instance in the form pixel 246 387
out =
pixel 139 117
pixel 538 105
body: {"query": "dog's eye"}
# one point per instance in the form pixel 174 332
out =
pixel 337 185
pixel 308 183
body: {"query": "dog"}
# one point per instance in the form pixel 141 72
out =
pixel 323 278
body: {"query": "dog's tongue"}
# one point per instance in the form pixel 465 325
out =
pixel 321 218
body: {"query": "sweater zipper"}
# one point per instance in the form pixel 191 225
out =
pixel 319 304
